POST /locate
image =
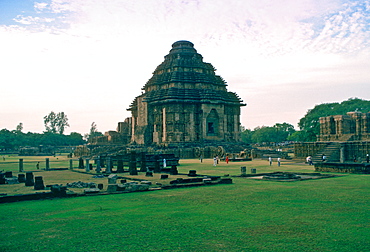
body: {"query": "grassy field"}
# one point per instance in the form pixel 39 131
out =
pixel 249 215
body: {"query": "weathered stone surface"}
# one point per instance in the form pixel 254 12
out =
pixel 354 126
pixel 91 190
pixel 137 187
pixel 112 188
pixel 183 102
pixel 112 179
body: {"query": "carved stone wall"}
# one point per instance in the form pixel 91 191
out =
pixel 354 126
pixel 183 102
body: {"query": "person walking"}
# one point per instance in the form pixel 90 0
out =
pixel 278 161
pixel 227 159
pixel 270 161
pixel 214 161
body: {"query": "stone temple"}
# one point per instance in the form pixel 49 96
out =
pixel 183 102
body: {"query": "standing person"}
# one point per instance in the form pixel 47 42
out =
pixel 217 159
pixel 278 161
pixel 367 158
pixel 227 159
pixel 323 157
pixel 164 163
pixel 309 160
pixel 270 161
pixel 214 161
pixel 201 158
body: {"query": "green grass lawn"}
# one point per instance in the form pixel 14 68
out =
pixel 248 215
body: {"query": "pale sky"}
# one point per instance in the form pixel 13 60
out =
pixel 90 58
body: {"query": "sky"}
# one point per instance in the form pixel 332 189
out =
pixel 90 58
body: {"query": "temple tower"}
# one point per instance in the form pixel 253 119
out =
pixel 184 101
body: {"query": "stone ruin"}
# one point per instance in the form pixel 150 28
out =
pixel 345 142
pixel 184 102
pixel 354 126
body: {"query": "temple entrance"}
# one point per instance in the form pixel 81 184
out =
pixel 212 123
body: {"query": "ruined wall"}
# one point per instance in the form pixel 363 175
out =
pixel 354 126
pixel 184 102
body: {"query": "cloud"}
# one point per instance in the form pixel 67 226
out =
pixel 32 20
pixel 39 7
pixel 82 56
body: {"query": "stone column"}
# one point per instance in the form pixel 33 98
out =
pixel 87 167
pixel 80 163
pixel 21 165
pixel 39 183
pixel 164 129
pixel 29 179
pixel 120 168
pixel 243 170
pixel 341 155
pixel 98 167
pixel 143 162
pixel 108 168
pixel 157 165
pixel 132 164
pixel 47 164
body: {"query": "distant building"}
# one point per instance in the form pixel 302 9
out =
pixel 183 102
pixel 354 126
pixel 343 138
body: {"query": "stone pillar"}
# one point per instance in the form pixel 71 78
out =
pixel 243 170
pixel 87 165
pixel 71 164
pixel 108 168
pixel 39 183
pixel 120 165
pixel 157 164
pixel 164 124
pixel 341 158
pixel 29 179
pixel 21 165
pixel 132 164
pixel 21 178
pixel 98 167
pixel 143 162
pixel 80 163
pixel 47 164
pixel 174 170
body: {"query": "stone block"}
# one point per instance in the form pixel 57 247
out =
pixel 91 190
pixel 12 181
pixel 137 187
pixel 192 173
pixel 112 179
pixel 112 188
pixel 146 182
pixel 21 178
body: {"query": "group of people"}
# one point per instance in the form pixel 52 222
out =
pixel 324 159
pixel 278 161
pixel 216 160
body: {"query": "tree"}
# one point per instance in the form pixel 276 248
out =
pixel 246 135
pixel 310 125
pixel 62 122
pixel 93 132
pixel 265 134
pixel 56 123
pixel 19 127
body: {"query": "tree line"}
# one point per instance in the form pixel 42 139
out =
pixel 309 128
pixel 309 125
pixel 55 125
